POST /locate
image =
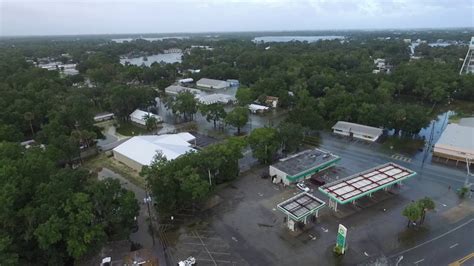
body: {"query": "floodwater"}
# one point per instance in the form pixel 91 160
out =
pixel 122 40
pixel 265 39
pixel 271 118
pixel 165 58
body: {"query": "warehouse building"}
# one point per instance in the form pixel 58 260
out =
pixel 212 84
pixel 357 131
pixel 141 150
pixel 301 166
pixel 215 98
pixel 456 143
pixel 176 89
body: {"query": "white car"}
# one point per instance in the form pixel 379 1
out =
pixel 187 262
pixel 302 187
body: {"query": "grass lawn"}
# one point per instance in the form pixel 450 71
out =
pixel 129 129
pixel 96 163
pixel 407 146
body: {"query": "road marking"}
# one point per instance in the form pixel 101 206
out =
pixel 207 250
pixel 324 229
pixel 452 246
pixel 366 254
pixel 461 261
pixel 418 261
pixel 433 239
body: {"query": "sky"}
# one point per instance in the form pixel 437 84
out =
pixel 72 17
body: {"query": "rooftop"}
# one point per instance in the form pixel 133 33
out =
pixel 211 82
pixel 457 137
pixel 139 115
pixel 358 129
pixel 175 89
pixel 216 98
pixel 143 149
pixel 355 186
pixel 301 205
pixel 304 160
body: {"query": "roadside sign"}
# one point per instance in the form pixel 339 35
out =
pixel 341 237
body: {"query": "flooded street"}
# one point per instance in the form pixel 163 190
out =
pixel 156 58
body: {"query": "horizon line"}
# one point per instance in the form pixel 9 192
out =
pixel 240 31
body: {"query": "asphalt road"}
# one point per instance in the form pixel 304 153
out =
pixel 446 248
pixel 443 247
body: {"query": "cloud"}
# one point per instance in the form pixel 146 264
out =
pixel 42 17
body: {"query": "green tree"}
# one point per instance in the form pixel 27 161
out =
pixel 265 143
pixel 151 123
pixel 413 212
pixel 29 116
pixel 9 133
pixel 193 186
pixel 426 204
pixel 114 206
pixel 245 96
pixel 305 111
pixel 184 104
pixel 291 136
pixel 237 118
pixel 213 112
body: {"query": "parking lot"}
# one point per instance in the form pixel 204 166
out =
pixel 246 227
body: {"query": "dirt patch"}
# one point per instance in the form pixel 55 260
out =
pixel 102 160
pixel 457 213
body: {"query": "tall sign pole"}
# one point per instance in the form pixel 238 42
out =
pixel 341 238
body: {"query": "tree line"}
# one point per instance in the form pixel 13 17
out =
pixel 53 216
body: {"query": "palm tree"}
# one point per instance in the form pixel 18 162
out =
pixel 426 204
pixel 29 116
pixel 150 122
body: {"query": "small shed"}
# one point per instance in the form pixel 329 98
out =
pixel 257 108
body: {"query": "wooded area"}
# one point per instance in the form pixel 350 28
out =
pixel 53 214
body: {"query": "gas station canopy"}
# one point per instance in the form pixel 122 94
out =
pixel 353 187
pixel 301 206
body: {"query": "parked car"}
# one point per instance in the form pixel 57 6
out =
pixel 318 181
pixel 302 187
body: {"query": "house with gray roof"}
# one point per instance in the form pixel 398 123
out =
pixel 358 131
pixel 212 84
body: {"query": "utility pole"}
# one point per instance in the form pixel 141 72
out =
pixel 147 200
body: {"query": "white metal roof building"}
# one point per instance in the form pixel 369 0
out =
pixel 176 89
pixel 141 150
pixel 357 131
pixel 456 143
pixel 103 116
pixel 186 80
pixel 365 183
pixel 215 98
pixel 212 83
pixel 139 117
pixel 257 108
